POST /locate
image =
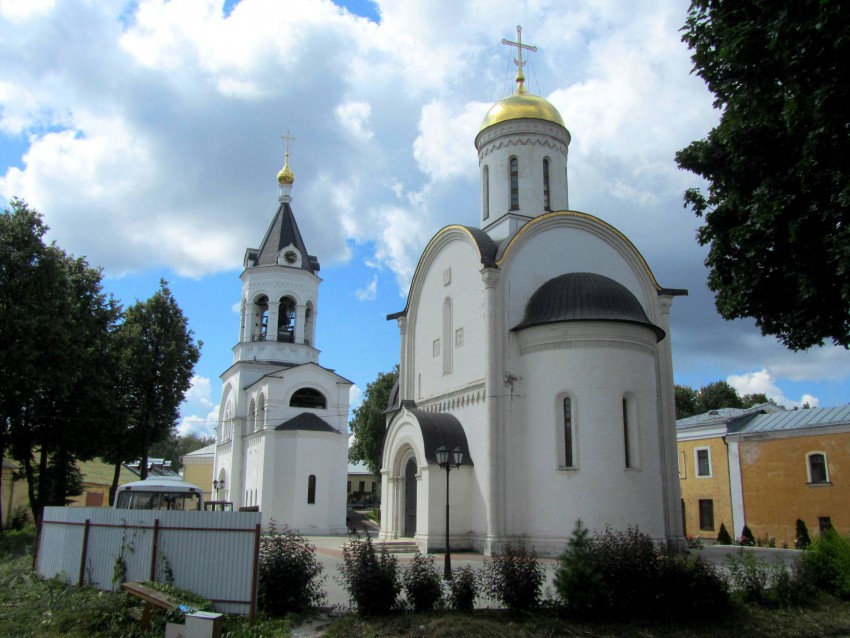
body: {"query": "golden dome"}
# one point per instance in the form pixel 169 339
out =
pixel 522 105
pixel 286 176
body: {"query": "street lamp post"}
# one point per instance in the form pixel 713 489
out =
pixel 444 462
pixel 218 485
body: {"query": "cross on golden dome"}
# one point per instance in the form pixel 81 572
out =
pixel 520 78
pixel 286 176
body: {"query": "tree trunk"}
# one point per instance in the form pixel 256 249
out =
pixel 2 456
pixel 116 475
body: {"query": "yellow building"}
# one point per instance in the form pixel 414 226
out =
pixel 766 468
pixel 362 486
pixel 13 492
pixel 198 470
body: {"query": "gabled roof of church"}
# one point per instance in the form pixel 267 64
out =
pixel 584 296
pixel 283 232
pixel 308 422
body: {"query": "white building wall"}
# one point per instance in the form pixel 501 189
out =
pixel 597 363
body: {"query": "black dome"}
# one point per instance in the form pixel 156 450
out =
pixel 584 296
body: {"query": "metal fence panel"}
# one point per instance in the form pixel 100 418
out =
pixel 209 553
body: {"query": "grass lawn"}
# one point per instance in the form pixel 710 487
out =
pixel 30 606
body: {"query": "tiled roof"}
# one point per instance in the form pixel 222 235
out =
pixel 306 421
pixel 797 420
pixel 283 232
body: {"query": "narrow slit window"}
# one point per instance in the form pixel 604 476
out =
pixel 546 204
pixel 514 184
pixel 626 433
pixel 311 489
pixel 568 432
pixel 485 195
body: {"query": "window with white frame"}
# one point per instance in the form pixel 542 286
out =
pixel 702 461
pixel 817 468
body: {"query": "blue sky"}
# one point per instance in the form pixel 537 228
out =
pixel 148 133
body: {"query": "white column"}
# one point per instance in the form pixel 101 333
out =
pixel 668 448
pixel 274 312
pixel 492 385
pixel 237 466
pixel 405 392
pixel 736 488
pixel 300 324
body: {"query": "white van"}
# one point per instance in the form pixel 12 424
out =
pixel 159 493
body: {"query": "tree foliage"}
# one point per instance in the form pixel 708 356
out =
pixel 56 323
pixel 777 207
pixel 369 425
pixel 158 355
pixel 714 396
pixel 176 445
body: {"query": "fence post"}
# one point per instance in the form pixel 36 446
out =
pixel 81 581
pixel 155 548
pixel 255 576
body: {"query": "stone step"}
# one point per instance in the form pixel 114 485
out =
pixel 397 547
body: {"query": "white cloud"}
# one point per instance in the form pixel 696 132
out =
pixel 369 292
pixel 442 148
pixel 355 397
pixel 22 10
pixel 353 118
pixel 198 412
pixel 761 381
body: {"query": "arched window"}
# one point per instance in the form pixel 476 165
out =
pixel 817 467
pixel 485 195
pixel 514 184
pixel 546 205
pixel 286 320
pixel 447 335
pixel 261 413
pixel 630 432
pixel 308 398
pixel 311 489
pixel 227 423
pixel 261 318
pixel 566 432
pixel 252 415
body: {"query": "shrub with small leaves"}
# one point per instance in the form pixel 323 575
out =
pixel 723 536
pixel 515 577
pixel 290 577
pixel 828 561
pixel 464 589
pixel 371 578
pixel 768 584
pixel 747 539
pixel 422 582
pixel 688 587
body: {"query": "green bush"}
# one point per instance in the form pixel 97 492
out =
pixel 769 584
pixel 623 574
pixel 422 582
pixel 514 577
pixel 723 537
pixel 464 589
pixel 371 578
pixel 578 579
pixel 802 535
pixel 290 574
pixel 688 588
pixel 829 563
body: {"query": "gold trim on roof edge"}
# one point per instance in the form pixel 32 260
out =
pixel 588 217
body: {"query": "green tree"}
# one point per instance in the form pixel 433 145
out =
pixel 716 396
pixel 369 425
pixel 686 401
pixel 749 400
pixel 158 354
pixel 777 207
pixel 176 445
pixel 56 324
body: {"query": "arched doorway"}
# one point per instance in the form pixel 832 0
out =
pixel 410 498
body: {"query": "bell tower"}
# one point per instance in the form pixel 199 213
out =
pixel 280 289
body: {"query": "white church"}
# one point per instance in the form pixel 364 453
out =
pixel 539 344
pixel 282 436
